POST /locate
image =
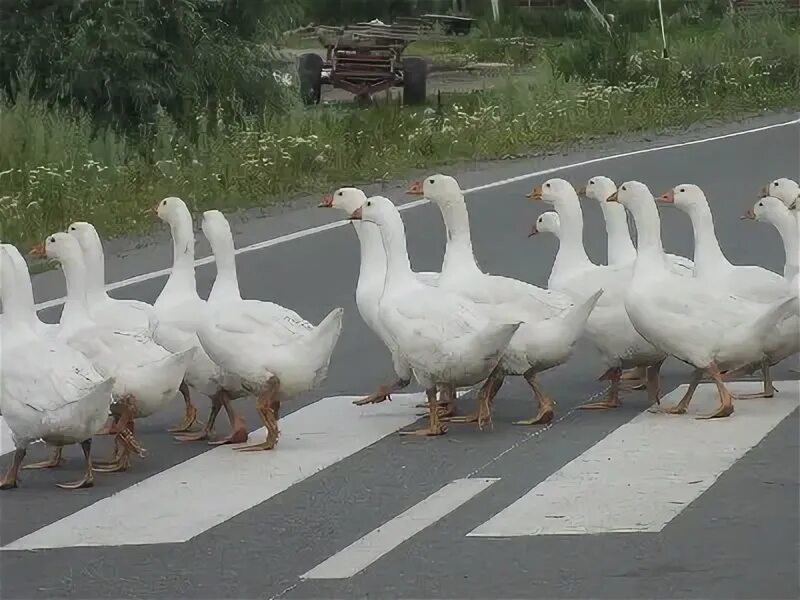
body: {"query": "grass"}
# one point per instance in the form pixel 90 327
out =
pixel 53 171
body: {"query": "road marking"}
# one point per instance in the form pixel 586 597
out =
pixel 182 502
pixel 409 205
pixel 363 552
pixel 646 472
pixel 6 442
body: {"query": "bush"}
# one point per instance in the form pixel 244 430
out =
pixel 122 61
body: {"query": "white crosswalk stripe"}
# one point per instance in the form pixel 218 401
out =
pixel 637 478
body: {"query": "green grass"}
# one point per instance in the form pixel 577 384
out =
pixel 53 171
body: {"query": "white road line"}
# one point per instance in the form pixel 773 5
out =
pixel 363 552
pixel 409 205
pixel 182 502
pixel 6 443
pixel 646 472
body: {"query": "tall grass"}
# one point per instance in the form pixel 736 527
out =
pixel 53 170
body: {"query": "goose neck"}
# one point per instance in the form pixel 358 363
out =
pixel 225 260
pixel 571 251
pixel 95 271
pixel 620 246
pixel 650 252
pixel 398 266
pixel 16 295
pixel 708 256
pixel 182 276
pixel 458 252
pixel 788 230
pixel 75 313
pixel 373 257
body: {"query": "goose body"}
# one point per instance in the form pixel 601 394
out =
pixel 50 391
pixel 371 276
pixel 708 328
pixel 445 339
pixel 274 353
pixel 608 328
pixel 551 321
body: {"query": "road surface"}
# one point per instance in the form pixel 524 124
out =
pixel 614 504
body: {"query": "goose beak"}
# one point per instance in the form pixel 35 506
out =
pixel 534 231
pixel 38 250
pixel 582 191
pixel 536 194
pixel 748 215
pixel 356 216
pixel 764 191
pixel 668 198
pixel 415 189
pixel 327 201
pixel 613 197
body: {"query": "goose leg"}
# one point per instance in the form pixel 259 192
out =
pixel 238 434
pixel 384 392
pixel 725 399
pixel 268 408
pixel 88 475
pixel 680 407
pixel 769 389
pixel 10 480
pixel 54 461
pixel 654 384
pixel 205 432
pixel 435 427
pixel 486 396
pixel 124 444
pixel 546 405
pixel 612 400
pixel 191 411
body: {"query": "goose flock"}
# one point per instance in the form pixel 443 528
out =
pixel 108 363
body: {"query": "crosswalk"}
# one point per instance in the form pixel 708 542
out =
pixel 638 478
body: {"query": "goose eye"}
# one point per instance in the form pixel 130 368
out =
pixel 52 240
pixel 624 189
pixel 682 190
pixel 72 228
pixel 591 183
pixel 431 181
pixel 369 202
pixel 339 193
pixel 163 203
pixel 775 184
pixel 547 185
pixel 760 204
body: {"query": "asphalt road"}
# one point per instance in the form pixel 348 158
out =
pixel 181 524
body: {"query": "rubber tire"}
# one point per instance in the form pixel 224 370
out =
pixel 309 71
pixel 415 81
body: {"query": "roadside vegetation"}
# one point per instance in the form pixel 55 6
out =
pixel 217 121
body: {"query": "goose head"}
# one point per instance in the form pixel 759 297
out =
pixel 785 190
pixel 442 190
pixel 686 196
pixel 376 209
pixel 598 188
pixel 632 195
pixel 86 236
pixel 347 199
pixel 60 247
pixel 553 190
pixel 767 210
pixel 547 222
pixel 173 211
pixel 216 229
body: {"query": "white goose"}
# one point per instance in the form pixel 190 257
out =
pixel 706 327
pixel 620 246
pixel 552 322
pixel 710 264
pixel 275 353
pixel 123 315
pixel 146 375
pixel 547 222
pixel 447 340
pixel 50 391
pixel 608 328
pixel 181 312
pixel 785 341
pixel 371 275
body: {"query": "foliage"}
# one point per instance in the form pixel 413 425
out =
pixel 122 61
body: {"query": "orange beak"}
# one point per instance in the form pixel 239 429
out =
pixel 38 250
pixel 748 215
pixel 536 194
pixel 534 231
pixel 327 201
pixel 668 198
pixel 415 189
pixel 356 216
pixel 613 197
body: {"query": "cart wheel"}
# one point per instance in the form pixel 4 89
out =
pixel 309 69
pixel 415 79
